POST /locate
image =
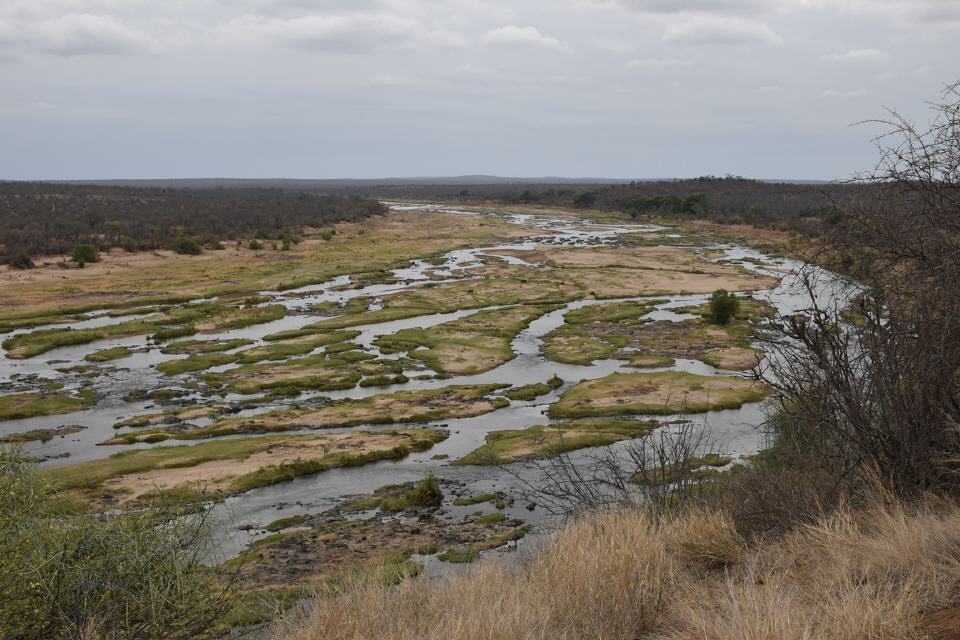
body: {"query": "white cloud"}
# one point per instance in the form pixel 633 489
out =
pixel 345 33
pixel 739 7
pixel 708 30
pixel 933 12
pixel 388 81
pixel 858 55
pixel 658 63
pixel 78 34
pixel 854 93
pixel 514 35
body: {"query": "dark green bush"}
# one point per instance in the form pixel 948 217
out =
pixel 188 246
pixel 723 306
pixel 84 253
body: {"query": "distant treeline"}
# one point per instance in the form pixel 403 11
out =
pixel 47 218
pixel 792 206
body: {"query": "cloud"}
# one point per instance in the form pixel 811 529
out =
pixel 514 35
pixel 343 33
pixel 854 93
pixel 858 55
pixel 738 7
pixel 79 34
pixel 706 30
pixel 903 12
pixel 658 63
pixel 388 81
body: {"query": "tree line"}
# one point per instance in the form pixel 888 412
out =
pixel 800 207
pixel 50 219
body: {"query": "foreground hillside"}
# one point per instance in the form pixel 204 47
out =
pixel 884 572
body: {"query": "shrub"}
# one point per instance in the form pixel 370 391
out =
pixel 68 574
pixel 84 253
pixel 255 244
pixel 188 246
pixel 21 261
pixel 328 235
pixel 723 307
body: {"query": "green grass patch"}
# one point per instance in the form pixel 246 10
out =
pixel 193 363
pixel 491 518
pixel 460 555
pixel 175 322
pixel 473 344
pixel 532 391
pixel 286 523
pixel 281 349
pixel 401 407
pixel 397 498
pixel 472 500
pixel 28 405
pixel 664 393
pixel 106 355
pixel 543 441
pixel 193 347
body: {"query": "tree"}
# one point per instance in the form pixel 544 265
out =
pixel 585 199
pixel 188 245
pixel 874 378
pixel 84 253
pixel 723 307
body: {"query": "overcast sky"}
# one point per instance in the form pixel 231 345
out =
pixel 375 88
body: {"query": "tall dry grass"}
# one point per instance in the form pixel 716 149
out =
pixel 869 575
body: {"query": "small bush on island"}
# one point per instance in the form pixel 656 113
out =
pixel 723 307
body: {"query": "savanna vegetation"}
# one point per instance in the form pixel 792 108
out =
pixel 845 526
pixel 39 219
pixel 789 206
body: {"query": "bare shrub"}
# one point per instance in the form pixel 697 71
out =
pixel 877 384
pixel 658 471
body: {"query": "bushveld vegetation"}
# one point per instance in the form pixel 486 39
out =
pixel 50 219
pixel 130 576
pixel 728 199
pixel 845 527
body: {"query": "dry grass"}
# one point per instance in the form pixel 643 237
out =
pixel 871 575
pixel 602 578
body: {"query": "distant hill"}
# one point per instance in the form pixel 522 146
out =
pixel 320 184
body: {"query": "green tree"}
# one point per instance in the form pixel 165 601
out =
pixel 188 246
pixel 84 253
pixel 723 306
pixel 585 199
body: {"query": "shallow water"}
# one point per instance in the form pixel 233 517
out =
pixel 736 429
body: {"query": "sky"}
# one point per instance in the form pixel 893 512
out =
pixel 384 88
